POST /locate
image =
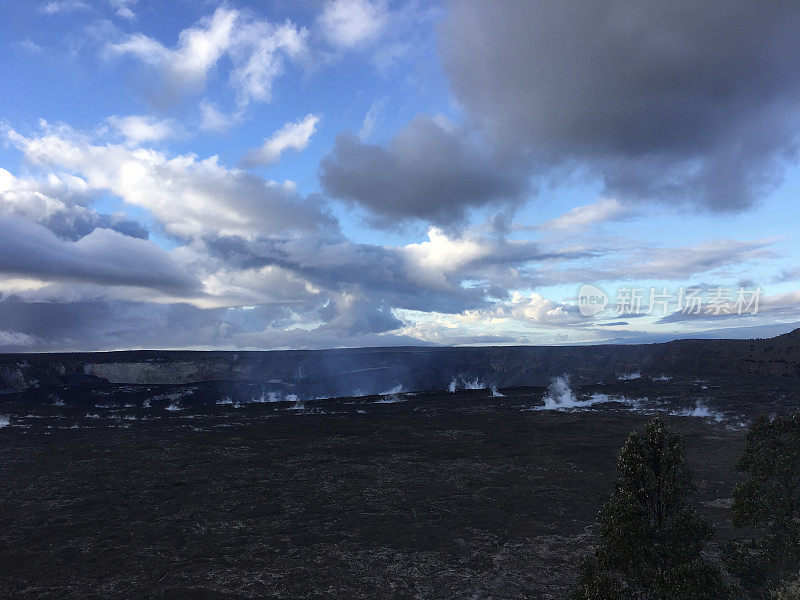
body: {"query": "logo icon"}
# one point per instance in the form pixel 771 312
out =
pixel 591 300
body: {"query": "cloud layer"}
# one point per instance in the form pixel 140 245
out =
pixel 686 101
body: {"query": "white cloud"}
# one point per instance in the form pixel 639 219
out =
pixel 371 119
pixel 124 8
pixel 58 6
pixel 294 135
pixel 349 23
pixel 604 210
pixel 16 338
pixel 137 129
pixel 190 196
pixel 213 119
pixel 198 50
pixel 258 50
pixel 28 45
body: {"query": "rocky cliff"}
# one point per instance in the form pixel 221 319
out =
pixel 375 370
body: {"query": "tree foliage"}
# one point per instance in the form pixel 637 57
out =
pixel 769 502
pixel 650 535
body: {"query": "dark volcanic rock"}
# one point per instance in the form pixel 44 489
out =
pixel 435 496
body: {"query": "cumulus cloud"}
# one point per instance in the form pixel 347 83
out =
pixel 60 203
pixel 681 101
pixel 294 135
pixel 349 23
pixel 431 170
pixel 138 129
pixel 190 196
pixel 257 49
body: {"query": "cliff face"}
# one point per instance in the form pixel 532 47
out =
pixel 375 370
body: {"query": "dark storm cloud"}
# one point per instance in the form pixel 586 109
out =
pixel 103 257
pixel 430 171
pixel 74 225
pixel 693 101
pixel 391 276
pixel 109 325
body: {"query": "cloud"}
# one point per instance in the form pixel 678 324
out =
pixel 788 275
pixel 771 309
pixel 11 340
pixel 257 49
pixel 103 257
pixel 199 48
pixel 636 261
pixel 445 274
pixel 60 203
pixel 431 171
pixel 259 53
pixel 213 119
pixel 27 45
pixel 59 6
pixel 602 211
pixel 371 119
pixel 294 135
pixel 137 129
pixel 190 196
pixel 662 100
pixel 124 8
pixel 349 23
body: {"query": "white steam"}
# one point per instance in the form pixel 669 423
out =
pixel 4 421
pixel 465 384
pixel 630 376
pixel 700 410
pixel 559 395
pixel 393 392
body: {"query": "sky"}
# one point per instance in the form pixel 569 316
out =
pixel 340 173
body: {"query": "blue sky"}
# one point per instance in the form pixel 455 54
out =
pixel 326 173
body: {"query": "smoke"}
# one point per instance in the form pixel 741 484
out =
pixel 630 376
pixel 466 384
pixel 297 404
pixel 700 410
pixel 393 392
pixel 662 378
pixel 473 385
pixel 559 395
pixel 175 406
pixel 4 421
pixel 496 393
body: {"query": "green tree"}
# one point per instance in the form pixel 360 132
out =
pixel 650 535
pixel 768 502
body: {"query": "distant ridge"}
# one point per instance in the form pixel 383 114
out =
pixel 343 372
